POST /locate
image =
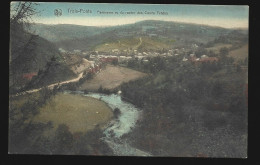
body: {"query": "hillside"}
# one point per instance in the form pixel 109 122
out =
pixel 72 37
pixel 54 72
pixel 87 43
pixel 30 55
pixel 62 32
pixel 141 44
pixel 240 53
pixel 186 106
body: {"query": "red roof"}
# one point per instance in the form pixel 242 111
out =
pixel 208 59
pixel 29 76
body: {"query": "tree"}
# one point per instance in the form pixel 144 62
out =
pixel 21 42
pixel 22 13
pixel 117 112
pixel 223 52
pixel 63 139
pixel 115 62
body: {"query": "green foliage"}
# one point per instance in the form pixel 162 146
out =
pixel 176 97
pixel 29 52
pixel 63 139
pixel 53 72
pixel 116 112
pixel 115 62
pixel 104 90
pixel 223 52
pixel 90 143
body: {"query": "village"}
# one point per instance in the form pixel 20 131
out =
pixel 116 56
pixel 92 61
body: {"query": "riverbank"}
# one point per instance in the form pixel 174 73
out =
pixel 79 113
pixel 123 125
pixel 86 121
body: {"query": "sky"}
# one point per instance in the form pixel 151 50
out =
pixel 91 14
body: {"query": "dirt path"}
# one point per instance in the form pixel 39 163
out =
pixel 139 44
pixel 85 64
pixel 52 85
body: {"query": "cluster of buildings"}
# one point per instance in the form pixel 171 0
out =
pixel 203 58
pixel 97 58
pixel 125 55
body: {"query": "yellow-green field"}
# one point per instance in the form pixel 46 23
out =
pixel 111 77
pixel 240 53
pixel 142 44
pixel 79 113
pixel 217 47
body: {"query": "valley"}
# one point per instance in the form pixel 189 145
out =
pixel 150 88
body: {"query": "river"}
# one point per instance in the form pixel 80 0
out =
pixel 116 128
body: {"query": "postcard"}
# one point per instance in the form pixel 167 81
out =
pixel 114 79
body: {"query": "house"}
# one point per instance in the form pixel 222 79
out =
pixel 140 57
pixel 184 59
pixel 208 59
pixel 92 63
pixel 62 50
pixel 76 51
pixel 145 61
pixel 194 46
pixel 204 56
pixel 115 50
pixel 108 59
pixel 92 57
pixel 123 58
pixel 152 35
pixel 94 69
pixel 28 76
pixel 144 53
pixel 192 55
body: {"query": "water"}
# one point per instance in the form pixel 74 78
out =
pixel 125 122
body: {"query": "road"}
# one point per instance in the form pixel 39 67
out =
pixel 139 43
pixel 80 75
pixel 52 85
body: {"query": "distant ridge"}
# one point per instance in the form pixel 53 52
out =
pixel 70 36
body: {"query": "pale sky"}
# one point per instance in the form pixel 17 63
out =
pixel 79 14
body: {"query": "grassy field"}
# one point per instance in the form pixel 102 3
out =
pixel 239 54
pixel 111 77
pixel 79 113
pixel 217 47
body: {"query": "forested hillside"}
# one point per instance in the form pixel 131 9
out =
pixel 29 54
pixel 70 37
pixel 190 109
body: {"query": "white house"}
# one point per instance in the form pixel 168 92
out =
pixel 184 59
pixel 204 56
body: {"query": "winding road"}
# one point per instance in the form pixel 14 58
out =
pixel 51 86
pixel 139 44
pixel 80 75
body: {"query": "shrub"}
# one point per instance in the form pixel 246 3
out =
pixel 117 112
